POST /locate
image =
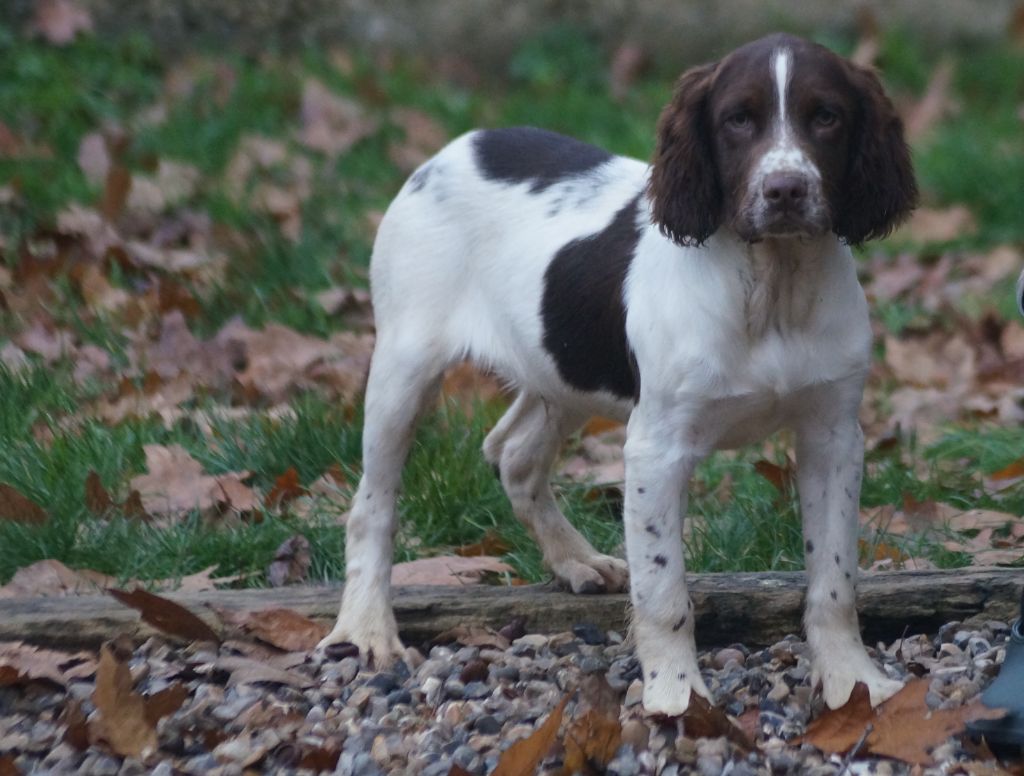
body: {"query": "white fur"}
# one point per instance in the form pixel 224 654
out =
pixel 732 341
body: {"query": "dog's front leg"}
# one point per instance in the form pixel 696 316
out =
pixel 658 468
pixel 830 454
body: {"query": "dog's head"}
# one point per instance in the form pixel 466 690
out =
pixel 781 138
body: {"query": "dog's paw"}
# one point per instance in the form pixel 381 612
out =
pixel 667 689
pixel 378 643
pixel 840 673
pixel 594 574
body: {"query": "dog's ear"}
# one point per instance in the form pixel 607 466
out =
pixel 879 188
pixel 684 187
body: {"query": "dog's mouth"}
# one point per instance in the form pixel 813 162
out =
pixel 787 224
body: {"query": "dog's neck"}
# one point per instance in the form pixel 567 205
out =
pixel 782 282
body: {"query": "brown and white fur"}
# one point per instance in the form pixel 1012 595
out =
pixel 709 298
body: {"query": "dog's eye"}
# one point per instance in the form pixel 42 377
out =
pixel 824 118
pixel 741 119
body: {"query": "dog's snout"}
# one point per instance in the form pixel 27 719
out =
pixel 784 189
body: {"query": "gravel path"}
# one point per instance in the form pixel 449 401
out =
pixel 252 709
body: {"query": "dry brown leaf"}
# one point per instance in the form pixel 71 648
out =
pixel 45 341
pixel 628 62
pixel 283 628
pixel 165 702
pixel 933 105
pixel 903 727
pixel 97 499
pixel 21 663
pixel 524 756
pixel 490 544
pixel 782 477
pixel 291 562
pixel 94 157
pixel 466 384
pixel 286 488
pixel 52 578
pixel 60 21
pixel 121 720
pixel 331 124
pixel 115 192
pixel 166 615
pixel 473 636
pixel 76 725
pixel 244 670
pixel 447 570
pixel 704 720
pixel 907 730
pixel 931 225
pixel 592 738
pixel 198 582
pixel 837 730
pixel 424 137
pixel 175 484
pixel 19 508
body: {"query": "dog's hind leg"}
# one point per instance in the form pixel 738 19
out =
pixel 403 379
pixel 524 446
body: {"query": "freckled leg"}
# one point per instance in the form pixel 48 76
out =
pixel 830 455
pixel 657 471
pixel 400 384
pixel 524 446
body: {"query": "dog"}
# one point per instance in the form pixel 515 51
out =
pixel 707 299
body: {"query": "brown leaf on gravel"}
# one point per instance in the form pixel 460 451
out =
pixel 592 738
pixel 473 636
pixel 524 756
pixel 121 719
pixel 19 508
pixel 837 730
pixel 52 578
pixel 166 615
pixel 165 702
pixel 175 484
pixel 76 725
pixel 447 570
pixel 21 663
pixel 291 562
pixel 903 727
pixel 703 720
pixel 283 628
pixel 59 22
pixel 244 670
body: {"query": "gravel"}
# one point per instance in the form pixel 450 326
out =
pixel 463 705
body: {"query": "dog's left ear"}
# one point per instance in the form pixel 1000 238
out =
pixel 684 189
pixel 880 191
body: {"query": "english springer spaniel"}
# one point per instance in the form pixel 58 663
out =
pixel 709 298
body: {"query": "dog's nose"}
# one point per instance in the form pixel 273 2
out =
pixel 785 189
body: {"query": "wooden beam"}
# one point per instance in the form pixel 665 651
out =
pixel 755 609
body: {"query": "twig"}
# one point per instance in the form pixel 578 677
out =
pixel 856 748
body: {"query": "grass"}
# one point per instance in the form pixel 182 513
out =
pixel 52 97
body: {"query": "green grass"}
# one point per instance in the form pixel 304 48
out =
pixel 52 97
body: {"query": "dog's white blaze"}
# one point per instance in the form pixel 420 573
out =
pixel 780 65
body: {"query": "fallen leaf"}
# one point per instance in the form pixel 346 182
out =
pixel 97 499
pixel 837 730
pixel 447 570
pixel 115 192
pixel 524 756
pixel 282 628
pixel 165 702
pixel 21 663
pixel 933 105
pixel 628 62
pixel 286 488
pixel 931 225
pixel 291 562
pixel 166 615
pixel 76 725
pixel 782 477
pixel 19 508
pixel 121 719
pixel 52 578
pixel 331 124
pixel 592 738
pixel 198 582
pixel 244 670
pixel 60 21
pixel 903 727
pixel 466 384
pixel 473 636
pixel 175 484
pixel 490 544
pixel 703 720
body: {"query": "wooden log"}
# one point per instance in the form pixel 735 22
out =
pixel 755 609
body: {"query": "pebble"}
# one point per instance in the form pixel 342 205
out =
pixel 465 705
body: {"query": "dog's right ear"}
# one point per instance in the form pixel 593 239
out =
pixel 684 188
